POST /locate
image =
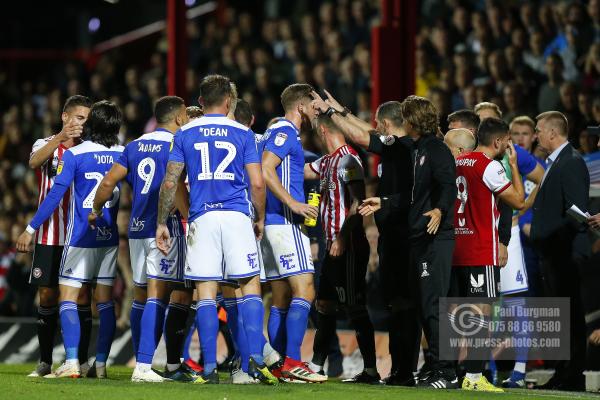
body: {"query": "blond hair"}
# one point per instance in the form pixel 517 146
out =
pixel 486 105
pixel 522 120
pixel 557 119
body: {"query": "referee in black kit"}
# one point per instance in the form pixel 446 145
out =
pixel 390 142
pixel 431 232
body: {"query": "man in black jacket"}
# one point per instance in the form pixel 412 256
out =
pixel 391 143
pixel 565 183
pixel 431 233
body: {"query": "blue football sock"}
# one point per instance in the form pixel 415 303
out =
pixel 253 315
pixel 71 330
pixel 276 328
pixel 295 325
pixel 135 321
pixel 152 324
pixel 241 339
pixel 521 352
pixel 106 331
pixel 230 305
pixel 208 329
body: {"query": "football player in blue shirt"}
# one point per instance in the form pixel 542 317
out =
pixel 221 241
pixel 143 163
pixel 285 246
pixel 90 255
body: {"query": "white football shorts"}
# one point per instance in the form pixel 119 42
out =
pixel 147 261
pixel 86 265
pixel 286 252
pixel 513 277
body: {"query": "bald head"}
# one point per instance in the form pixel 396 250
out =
pixel 460 141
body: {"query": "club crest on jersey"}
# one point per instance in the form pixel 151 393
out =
pixel 37 272
pixel 103 233
pixel 286 261
pixel 60 167
pixel 252 260
pixel 350 174
pixel 424 272
pixel 280 138
pixel 389 140
pixel 477 284
pixel 422 160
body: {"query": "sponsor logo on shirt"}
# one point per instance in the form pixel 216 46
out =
pixel 137 225
pixel 103 233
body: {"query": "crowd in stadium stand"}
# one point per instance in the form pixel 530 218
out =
pixel 526 57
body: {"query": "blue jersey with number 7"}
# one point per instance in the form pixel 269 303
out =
pixel 146 161
pixel 82 168
pixel 215 151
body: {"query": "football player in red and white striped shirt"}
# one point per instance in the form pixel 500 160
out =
pixel 45 157
pixel 342 280
pixel 481 181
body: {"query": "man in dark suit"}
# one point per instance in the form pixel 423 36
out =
pixel 565 183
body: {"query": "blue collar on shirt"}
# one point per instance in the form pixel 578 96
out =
pixel 163 130
pixel 214 115
pixel 292 124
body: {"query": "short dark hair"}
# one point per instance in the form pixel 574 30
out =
pixel 491 128
pixel 325 120
pixel 165 108
pixel 390 110
pixel 103 123
pixel 294 93
pixel 214 89
pixel 194 112
pixel 243 112
pixel 77 101
pixel 468 118
pixel 421 114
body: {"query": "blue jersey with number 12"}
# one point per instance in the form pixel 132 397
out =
pixel 215 151
pixel 83 167
pixel 146 161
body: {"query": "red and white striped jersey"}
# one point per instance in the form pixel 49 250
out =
pixel 479 181
pixel 53 231
pixel 335 171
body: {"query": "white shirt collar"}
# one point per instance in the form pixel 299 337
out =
pixel 554 155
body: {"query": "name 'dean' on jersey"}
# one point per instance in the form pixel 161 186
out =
pixel 82 168
pixel 283 140
pixel 215 151
pixel 146 161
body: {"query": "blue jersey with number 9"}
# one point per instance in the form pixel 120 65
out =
pixel 215 151
pixel 146 161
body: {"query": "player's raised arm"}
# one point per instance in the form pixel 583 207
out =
pixel 514 195
pixel 105 191
pixel 353 128
pixel 65 175
pixel 270 162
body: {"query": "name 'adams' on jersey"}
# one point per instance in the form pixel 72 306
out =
pixel 146 161
pixel 215 151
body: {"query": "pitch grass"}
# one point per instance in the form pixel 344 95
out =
pixel 15 385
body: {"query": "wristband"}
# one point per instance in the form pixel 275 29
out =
pixel 30 230
pixel 330 111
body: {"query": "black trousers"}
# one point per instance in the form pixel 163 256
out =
pixel 431 258
pixel 561 278
pixel 400 293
